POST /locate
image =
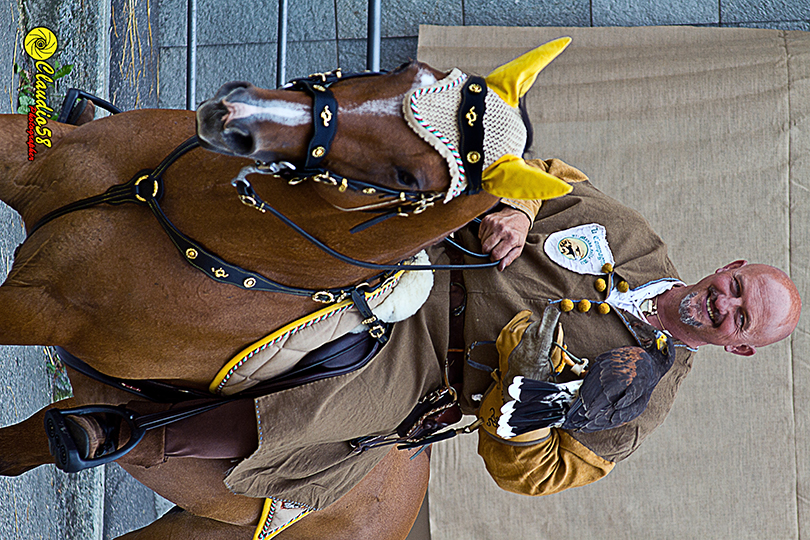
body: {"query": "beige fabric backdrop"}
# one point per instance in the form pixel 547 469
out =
pixel 705 131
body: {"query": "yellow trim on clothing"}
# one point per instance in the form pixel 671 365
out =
pixel 263 521
pixel 268 505
pixel 290 329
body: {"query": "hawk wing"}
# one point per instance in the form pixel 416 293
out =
pixel 615 391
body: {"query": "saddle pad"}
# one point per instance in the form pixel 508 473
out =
pixel 279 352
pixel 399 297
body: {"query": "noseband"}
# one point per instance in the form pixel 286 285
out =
pixel 324 121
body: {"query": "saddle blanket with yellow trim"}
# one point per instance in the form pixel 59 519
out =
pixel 277 515
pixel 396 299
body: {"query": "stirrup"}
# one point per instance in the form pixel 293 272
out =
pixel 64 449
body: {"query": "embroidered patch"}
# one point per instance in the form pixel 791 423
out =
pixel 583 249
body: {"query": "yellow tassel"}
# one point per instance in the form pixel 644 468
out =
pixel 604 308
pixel 584 306
pixel 623 286
pixel 566 305
pixel 600 285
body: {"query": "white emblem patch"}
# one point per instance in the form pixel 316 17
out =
pixel 582 249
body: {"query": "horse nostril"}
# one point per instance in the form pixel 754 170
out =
pixel 238 138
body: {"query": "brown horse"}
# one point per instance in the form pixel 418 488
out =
pixel 108 285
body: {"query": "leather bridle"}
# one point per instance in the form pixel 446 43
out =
pixel 146 188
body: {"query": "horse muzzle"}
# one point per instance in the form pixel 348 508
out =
pixel 216 128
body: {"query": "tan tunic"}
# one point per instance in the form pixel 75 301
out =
pixel 303 452
pixel 529 283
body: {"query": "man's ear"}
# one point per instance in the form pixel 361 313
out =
pixel 732 266
pixel 742 350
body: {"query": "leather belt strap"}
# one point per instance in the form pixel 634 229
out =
pixel 324 123
pixel 458 304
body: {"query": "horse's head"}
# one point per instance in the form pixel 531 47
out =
pixel 405 130
pixel 371 142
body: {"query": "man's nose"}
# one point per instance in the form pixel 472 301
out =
pixel 726 303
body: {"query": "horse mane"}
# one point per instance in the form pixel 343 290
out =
pixel 524 115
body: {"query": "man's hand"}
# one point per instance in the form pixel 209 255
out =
pixel 503 235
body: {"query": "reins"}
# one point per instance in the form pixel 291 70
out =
pixel 146 187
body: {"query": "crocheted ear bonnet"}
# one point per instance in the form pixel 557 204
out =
pixel 433 113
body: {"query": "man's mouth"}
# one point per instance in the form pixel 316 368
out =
pixel 709 309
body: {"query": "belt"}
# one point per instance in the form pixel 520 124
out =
pixel 458 305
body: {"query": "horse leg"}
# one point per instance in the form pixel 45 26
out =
pixel 24 446
pixel 178 524
pixel 383 506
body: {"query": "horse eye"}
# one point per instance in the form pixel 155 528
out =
pixel 407 179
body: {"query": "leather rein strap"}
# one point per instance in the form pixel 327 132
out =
pixel 146 188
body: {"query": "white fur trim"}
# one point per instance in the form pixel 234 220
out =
pixel 408 296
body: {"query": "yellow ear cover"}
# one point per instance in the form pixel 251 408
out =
pixel 512 178
pixel 512 80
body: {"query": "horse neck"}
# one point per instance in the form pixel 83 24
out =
pixel 261 243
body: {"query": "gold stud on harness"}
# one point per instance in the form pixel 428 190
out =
pixel 324 297
pixel 191 253
pixel 471 117
pixel 326 116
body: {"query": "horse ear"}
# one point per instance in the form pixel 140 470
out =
pixel 511 177
pixel 511 81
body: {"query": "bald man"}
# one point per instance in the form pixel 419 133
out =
pixel 605 266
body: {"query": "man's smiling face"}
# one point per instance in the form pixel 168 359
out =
pixel 740 307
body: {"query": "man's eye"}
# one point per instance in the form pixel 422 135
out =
pixel 736 287
pixel 741 318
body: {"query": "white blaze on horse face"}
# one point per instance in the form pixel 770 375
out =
pixel 376 107
pixel 276 111
pixel 391 106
